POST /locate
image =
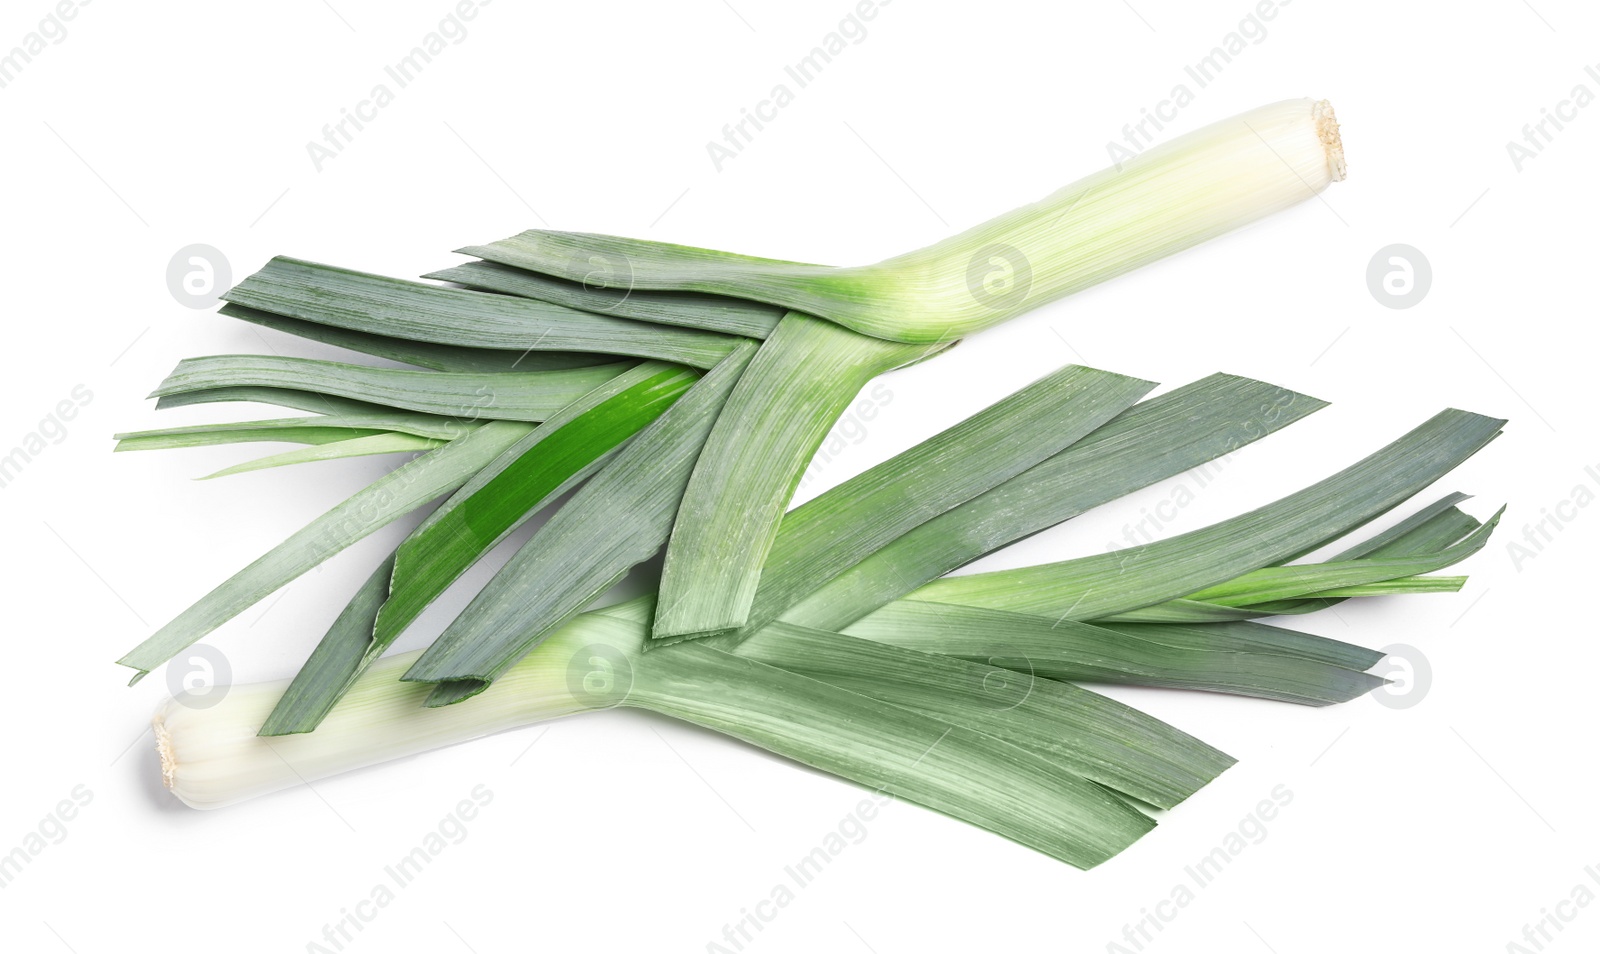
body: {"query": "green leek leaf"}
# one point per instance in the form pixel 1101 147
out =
pixel 514 396
pixel 421 354
pixel 1106 584
pixel 384 443
pixel 1151 441
pixel 408 487
pixel 384 419
pixel 734 316
pixel 1100 739
pixel 211 435
pixel 461 318
pixel 772 424
pixel 614 522
pixel 1175 657
pixel 823 538
pixel 524 479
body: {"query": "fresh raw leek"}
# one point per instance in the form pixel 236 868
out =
pixel 657 397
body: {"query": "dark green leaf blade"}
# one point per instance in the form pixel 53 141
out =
pixel 461 318
pixel 735 316
pixel 1109 583
pixel 1151 441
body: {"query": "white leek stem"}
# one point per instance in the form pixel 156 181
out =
pixel 211 756
pixel 1170 197
pixel 1166 199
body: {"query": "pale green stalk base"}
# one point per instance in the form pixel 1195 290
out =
pixel 1168 198
pixel 212 757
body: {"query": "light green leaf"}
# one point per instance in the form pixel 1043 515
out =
pixel 211 435
pixel 380 419
pixel 383 443
pixel 379 504
pixel 516 396
pixel 795 388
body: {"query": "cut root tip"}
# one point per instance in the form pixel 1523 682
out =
pixel 1328 133
pixel 169 762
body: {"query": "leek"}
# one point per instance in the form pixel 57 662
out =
pixel 678 393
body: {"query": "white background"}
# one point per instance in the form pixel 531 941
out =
pixel 1448 825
